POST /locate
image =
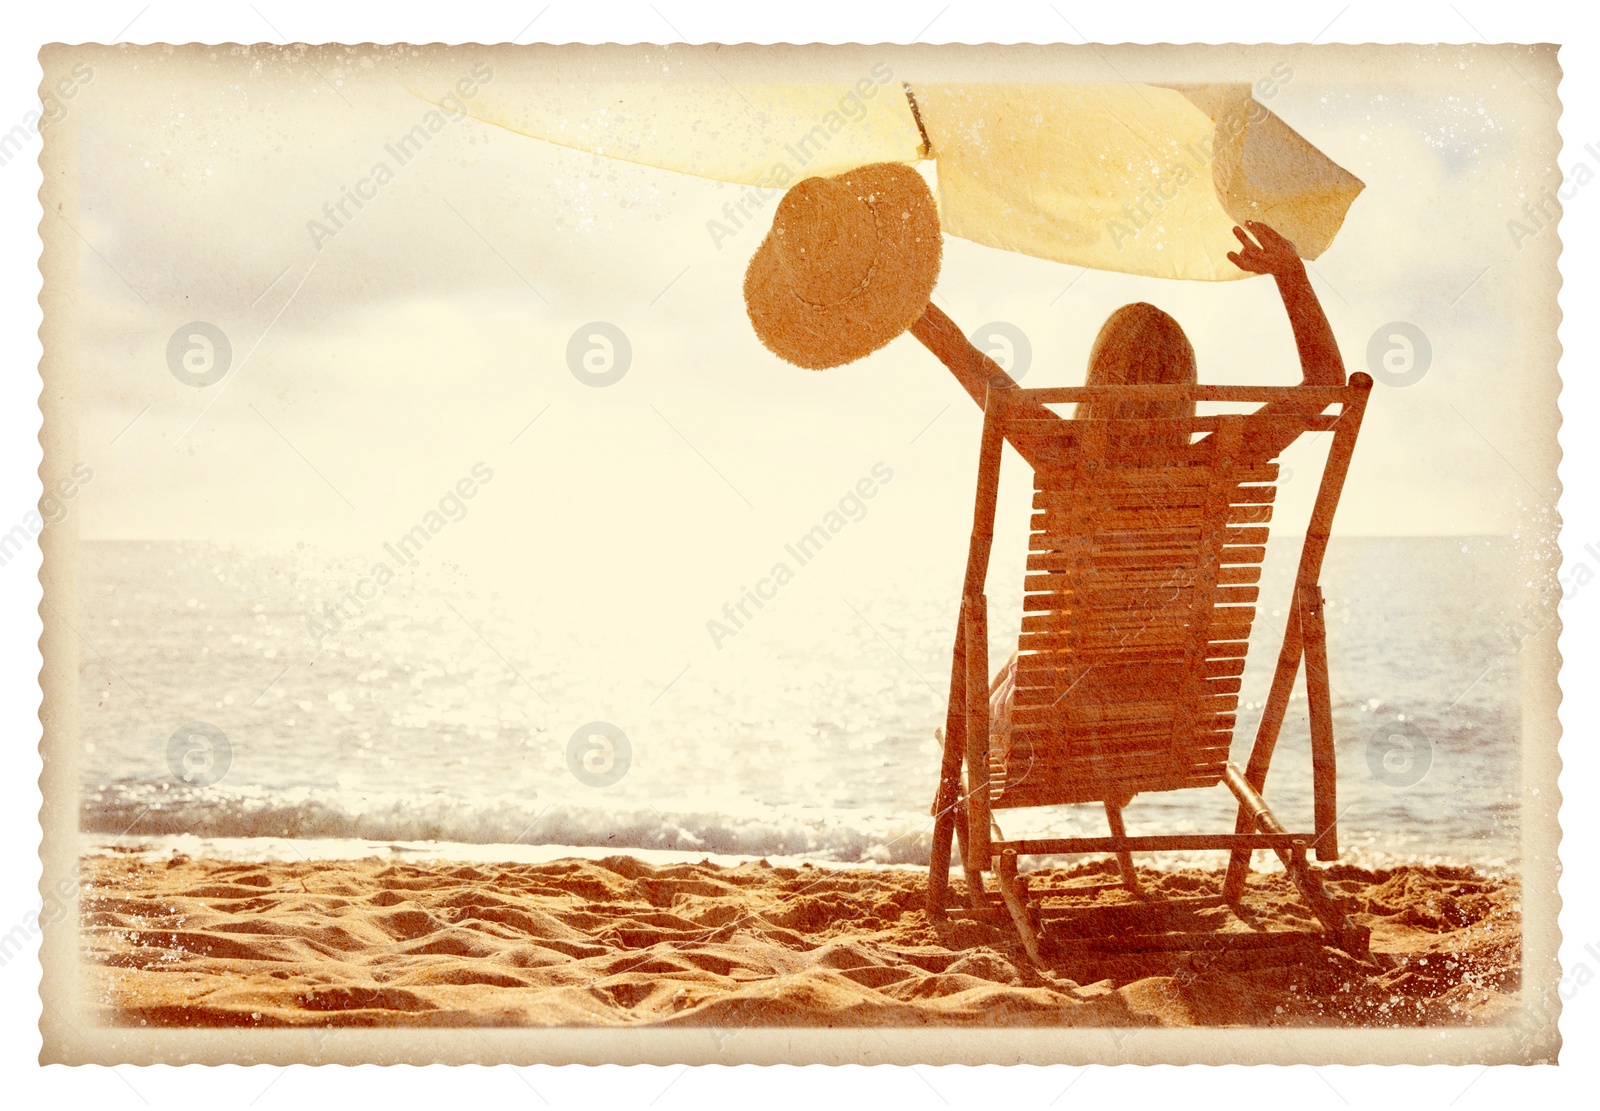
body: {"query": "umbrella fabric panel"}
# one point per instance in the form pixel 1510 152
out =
pixel 1264 170
pixel 768 136
pixel 1126 177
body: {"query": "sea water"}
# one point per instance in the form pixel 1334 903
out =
pixel 228 692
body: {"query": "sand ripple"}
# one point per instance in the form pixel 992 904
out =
pixel 619 943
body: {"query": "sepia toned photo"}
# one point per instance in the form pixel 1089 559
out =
pixel 800 553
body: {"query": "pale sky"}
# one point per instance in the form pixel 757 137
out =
pixel 373 370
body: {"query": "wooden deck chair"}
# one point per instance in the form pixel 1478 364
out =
pixel 1139 598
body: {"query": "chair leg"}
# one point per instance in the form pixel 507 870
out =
pixel 1005 875
pixel 974 875
pixel 1353 939
pixel 944 828
pixel 1130 878
pixel 1319 703
pixel 1239 861
pixel 1272 715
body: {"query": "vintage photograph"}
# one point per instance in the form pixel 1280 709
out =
pixel 801 553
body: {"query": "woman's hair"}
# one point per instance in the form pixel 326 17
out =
pixel 1139 345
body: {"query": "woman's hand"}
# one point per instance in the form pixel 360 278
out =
pixel 1268 253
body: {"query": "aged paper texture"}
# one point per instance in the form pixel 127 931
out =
pixel 801 554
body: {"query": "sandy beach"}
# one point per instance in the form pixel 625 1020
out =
pixel 175 941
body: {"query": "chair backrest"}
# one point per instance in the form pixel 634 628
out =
pixel 1144 560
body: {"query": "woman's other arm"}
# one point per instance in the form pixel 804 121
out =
pixel 971 367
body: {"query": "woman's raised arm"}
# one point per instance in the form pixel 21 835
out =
pixel 1320 361
pixel 1270 253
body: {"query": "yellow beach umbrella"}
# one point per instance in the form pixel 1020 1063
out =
pixel 1137 178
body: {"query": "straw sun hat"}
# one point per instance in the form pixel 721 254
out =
pixel 848 265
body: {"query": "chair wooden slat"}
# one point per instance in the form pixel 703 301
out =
pixel 1249 514
pixel 1055 629
pixel 1065 790
pixel 1320 396
pixel 1171 426
pixel 1061 561
pixel 1253 495
pixel 1243 553
pixel 1154 498
pixel 1047 586
pixel 1076 763
pixel 1165 477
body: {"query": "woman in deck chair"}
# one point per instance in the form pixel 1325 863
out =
pixel 849 265
pixel 1139 345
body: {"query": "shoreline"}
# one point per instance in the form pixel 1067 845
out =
pixel 175 940
pixel 291 849
pixel 287 849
